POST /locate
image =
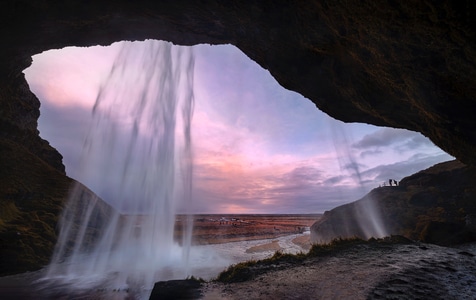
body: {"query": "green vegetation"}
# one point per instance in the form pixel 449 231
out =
pixel 248 270
pixel 432 205
pixel 31 197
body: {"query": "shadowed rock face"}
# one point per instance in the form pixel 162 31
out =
pixel 435 206
pixel 406 64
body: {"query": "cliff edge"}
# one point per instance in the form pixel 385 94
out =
pixel 435 205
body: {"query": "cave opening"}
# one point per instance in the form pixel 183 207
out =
pixel 256 147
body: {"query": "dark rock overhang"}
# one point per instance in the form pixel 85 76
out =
pixel 407 64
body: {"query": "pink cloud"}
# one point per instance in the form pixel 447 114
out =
pixel 257 147
pixel 71 76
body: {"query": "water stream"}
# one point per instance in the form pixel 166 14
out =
pixel 141 129
pixel 148 94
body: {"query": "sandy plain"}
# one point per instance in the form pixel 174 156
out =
pixel 219 229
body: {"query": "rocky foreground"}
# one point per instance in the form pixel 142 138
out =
pixel 398 269
pixel 391 268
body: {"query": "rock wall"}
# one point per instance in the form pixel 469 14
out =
pixel 400 64
pixel 32 196
pixel 435 206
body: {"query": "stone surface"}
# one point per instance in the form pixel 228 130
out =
pixel 435 206
pixel 187 289
pixel 32 195
pixel 365 271
pixel 408 65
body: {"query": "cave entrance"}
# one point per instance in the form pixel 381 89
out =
pixel 122 118
pixel 258 148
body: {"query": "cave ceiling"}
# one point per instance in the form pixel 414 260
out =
pixel 408 64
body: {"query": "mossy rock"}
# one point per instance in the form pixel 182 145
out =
pixel 32 194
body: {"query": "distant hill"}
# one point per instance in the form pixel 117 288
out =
pixel 436 205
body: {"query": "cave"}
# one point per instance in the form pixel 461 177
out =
pixel 404 65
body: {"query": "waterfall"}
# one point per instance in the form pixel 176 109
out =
pixel 140 137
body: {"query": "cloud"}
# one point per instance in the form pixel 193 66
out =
pixel 304 174
pixel 66 129
pixel 415 142
pixel 285 198
pixel 334 180
pixel 370 153
pixel 258 148
pixel 299 187
pixel 398 170
pixel 353 166
pixel 70 76
pixel 386 137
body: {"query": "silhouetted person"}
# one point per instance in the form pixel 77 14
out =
pixel 390 182
pixel 395 182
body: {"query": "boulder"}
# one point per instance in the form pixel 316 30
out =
pixel 187 289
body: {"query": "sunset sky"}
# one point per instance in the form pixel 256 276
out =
pixel 258 148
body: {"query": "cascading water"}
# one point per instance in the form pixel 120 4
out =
pixel 366 221
pixel 142 123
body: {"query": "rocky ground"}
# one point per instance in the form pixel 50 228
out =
pixel 237 239
pixel 355 270
pixel 365 271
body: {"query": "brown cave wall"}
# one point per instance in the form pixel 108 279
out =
pixel 435 205
pixel 407 65
pixel 19 120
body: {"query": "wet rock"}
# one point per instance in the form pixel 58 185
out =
pixel 369 271
pixel 446 233
pixel 470 220
pixel 188 289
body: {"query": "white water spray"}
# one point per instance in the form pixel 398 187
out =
pixel 142 124
pixel 366 221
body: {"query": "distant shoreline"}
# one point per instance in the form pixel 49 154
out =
pixel 241 214
pixel 225 228
pixel 260 215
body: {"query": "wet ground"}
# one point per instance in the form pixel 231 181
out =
pixel 403 271
pixel 220 240
pixel 206 262
pixel 390 271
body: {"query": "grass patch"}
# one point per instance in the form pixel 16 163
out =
pixel 248 270
pixel 334 246
pixel 31 196
pixel 238 272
